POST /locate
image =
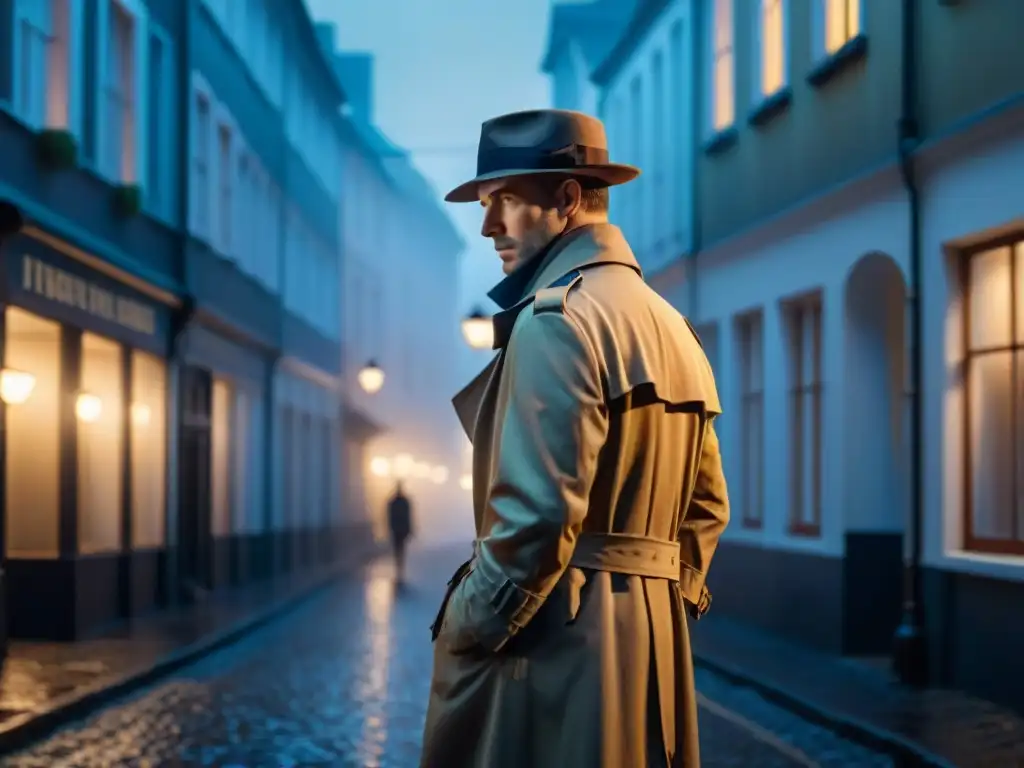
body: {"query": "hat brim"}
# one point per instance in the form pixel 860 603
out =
pixel 610 175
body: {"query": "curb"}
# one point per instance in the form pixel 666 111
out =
pixel 907 753
pixel 26 729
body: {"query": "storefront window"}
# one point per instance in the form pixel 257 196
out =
pixel 33 437
pixel 148 447
pixel 100 410
pixel 220 458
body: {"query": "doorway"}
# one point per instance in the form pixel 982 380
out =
pixel 195 542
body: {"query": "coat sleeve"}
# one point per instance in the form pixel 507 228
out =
pixel 704 519
pixel 553 430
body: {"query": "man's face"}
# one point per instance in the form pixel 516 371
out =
pixel 521 217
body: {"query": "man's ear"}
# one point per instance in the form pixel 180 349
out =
pixel 570 198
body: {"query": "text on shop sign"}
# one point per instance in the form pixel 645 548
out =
pixel 55 284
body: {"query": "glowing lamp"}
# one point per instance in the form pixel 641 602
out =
pixel 88 407
pixel 16 386
pixel 478 330
pixel 371 378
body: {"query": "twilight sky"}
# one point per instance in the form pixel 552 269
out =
pixel 442 68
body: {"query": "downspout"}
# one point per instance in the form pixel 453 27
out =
pixel 182 316
pixel 697 152
pixel 910 648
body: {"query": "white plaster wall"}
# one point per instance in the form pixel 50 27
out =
pixel 809 249
pixel 974 191
pixel 655 211
pixel 403 280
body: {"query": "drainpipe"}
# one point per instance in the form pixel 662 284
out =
pixel 697 153
pixel 910 647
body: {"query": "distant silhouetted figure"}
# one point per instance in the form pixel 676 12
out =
pixel 400 523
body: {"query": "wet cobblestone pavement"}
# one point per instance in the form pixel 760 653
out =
pixel 343 681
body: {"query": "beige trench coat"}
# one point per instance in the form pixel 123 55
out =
pixel 599 499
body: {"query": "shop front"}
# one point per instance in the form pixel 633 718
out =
pixel 83 436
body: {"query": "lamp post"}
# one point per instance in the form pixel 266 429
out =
pixel 478 329
pixel 371 378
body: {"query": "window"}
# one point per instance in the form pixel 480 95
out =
pixel 119 96
pixel 220 459
pixel 99 409
pixel 157 127
pixel 994 376
pixel 32 346
pixel 805 417
pixel 42 86
pixel 225 182
pixel 243 212
pixel 771 28
pixel 750 343
pixel 148 414
pixel 201 167
pixel 723 79
pixel 837 23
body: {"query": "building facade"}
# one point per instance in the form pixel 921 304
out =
pixel 170 344
pixel 400 289
pixel 852 176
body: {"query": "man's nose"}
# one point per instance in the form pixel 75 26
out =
pixel 492 226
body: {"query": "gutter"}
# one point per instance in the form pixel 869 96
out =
pixel 910 647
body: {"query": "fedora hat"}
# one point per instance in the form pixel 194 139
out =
pixel 543 141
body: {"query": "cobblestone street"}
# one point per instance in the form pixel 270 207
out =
pixel 343 682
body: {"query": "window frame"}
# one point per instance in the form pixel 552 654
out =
pixel 1013 546
pixel 137 13
pixel 758 92
pixel 712 54
pixel 201 223
pixel 797 391
pixel 749 330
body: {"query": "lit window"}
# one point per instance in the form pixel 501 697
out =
pixel 842 23
pixel 220 459
pixel 994 379
pixel 99 421
pixel 148 425
pixel 772 26
pixel 805 417
pixel 32 345
pixel 723 98
pixel 119 95
pixel 750 339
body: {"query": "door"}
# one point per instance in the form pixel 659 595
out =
pixel 195 544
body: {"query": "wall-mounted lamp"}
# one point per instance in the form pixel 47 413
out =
pixel 371 378
pixel 380 466
pixel 16 386
pixel 478 330
pixel 466 482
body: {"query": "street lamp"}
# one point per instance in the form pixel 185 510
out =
pixel 371 378
pixel 478 329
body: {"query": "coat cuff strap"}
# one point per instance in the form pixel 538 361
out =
pixel 515 605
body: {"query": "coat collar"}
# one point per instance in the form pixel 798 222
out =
pixel 583 247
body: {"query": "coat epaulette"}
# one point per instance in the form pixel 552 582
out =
pixel 694 332
pixel 552 298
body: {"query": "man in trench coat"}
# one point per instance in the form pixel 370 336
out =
pixel 598 489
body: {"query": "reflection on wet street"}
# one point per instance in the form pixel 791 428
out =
pixel 343 681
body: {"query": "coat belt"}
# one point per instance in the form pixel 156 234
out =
pixel 627 553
